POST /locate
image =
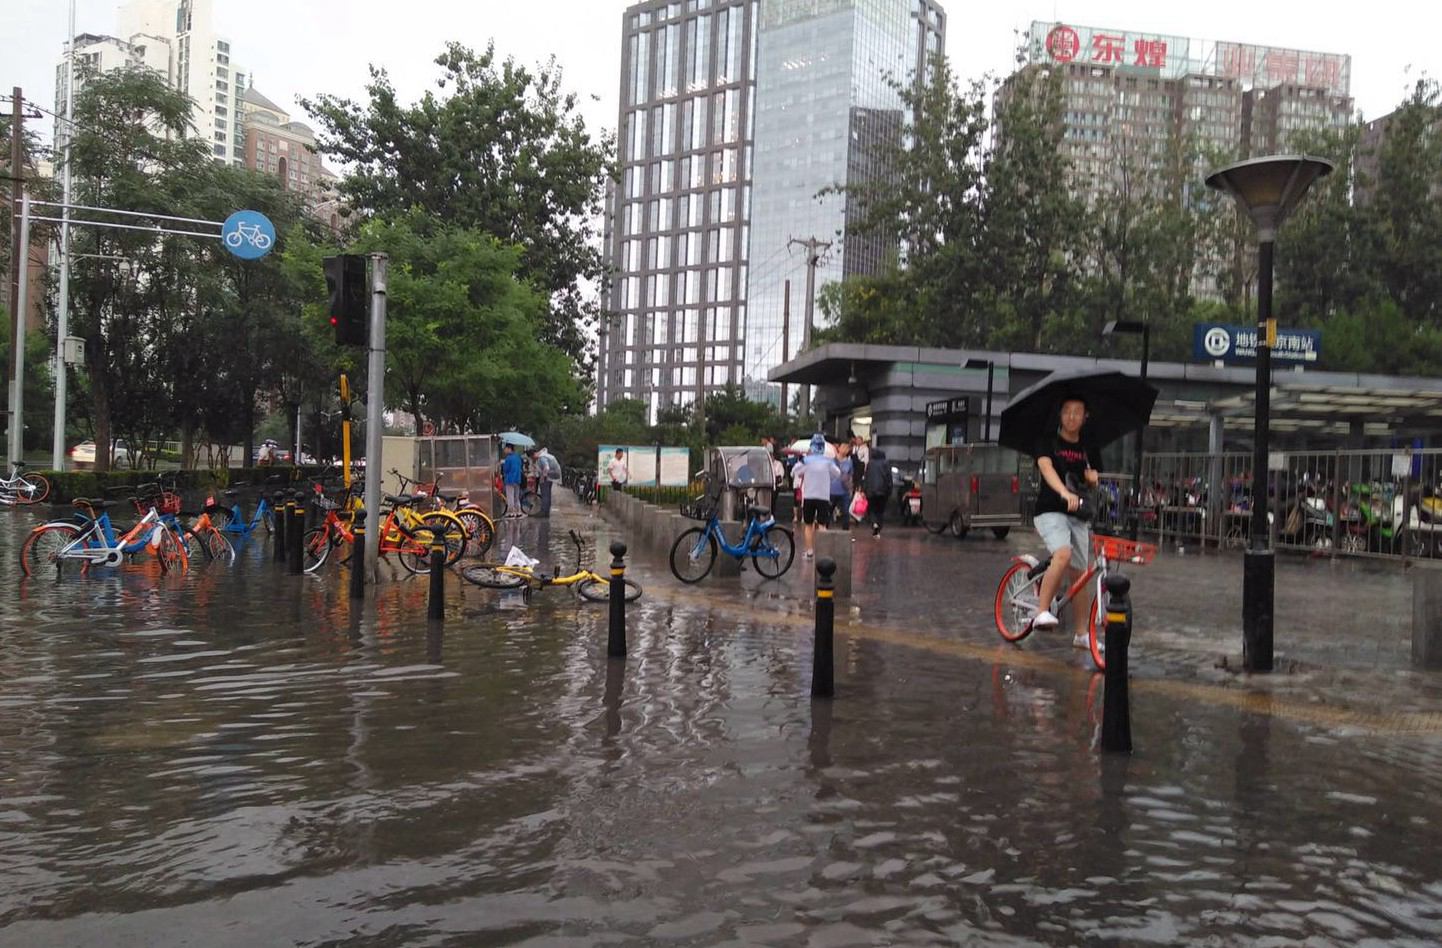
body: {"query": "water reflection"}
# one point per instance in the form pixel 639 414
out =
pixel 246 752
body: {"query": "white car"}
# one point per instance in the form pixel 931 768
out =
pixel 82 455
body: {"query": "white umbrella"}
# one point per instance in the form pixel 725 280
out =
pixel 803 446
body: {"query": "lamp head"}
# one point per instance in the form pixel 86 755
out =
pixel 1269 188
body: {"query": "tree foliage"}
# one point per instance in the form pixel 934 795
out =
pixel 499 148
pixel 1002 247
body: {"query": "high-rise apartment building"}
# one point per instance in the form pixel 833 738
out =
pixel 178 39
pixel 1128 95
pixel 734 115
pixel 276 145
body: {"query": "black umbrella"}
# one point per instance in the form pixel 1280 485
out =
pixel 1117 405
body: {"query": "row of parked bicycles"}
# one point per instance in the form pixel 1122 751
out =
pixel 413 523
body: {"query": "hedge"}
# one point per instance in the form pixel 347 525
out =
pixel 65 486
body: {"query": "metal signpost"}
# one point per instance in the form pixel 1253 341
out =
pixel 375 402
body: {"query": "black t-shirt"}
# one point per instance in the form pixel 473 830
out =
pixel 1070 461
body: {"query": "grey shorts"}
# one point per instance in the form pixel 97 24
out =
pixel 1058 530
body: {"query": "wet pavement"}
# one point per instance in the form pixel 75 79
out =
pixel 241 757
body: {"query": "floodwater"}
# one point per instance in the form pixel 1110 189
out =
pixel 240 757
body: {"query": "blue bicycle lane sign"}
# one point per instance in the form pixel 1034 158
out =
pixel 248 234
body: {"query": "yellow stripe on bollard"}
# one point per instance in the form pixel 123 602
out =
pixel 1116 617
pixel 618 572
pixel 824 594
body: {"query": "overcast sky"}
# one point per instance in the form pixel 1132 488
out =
pixel 302 47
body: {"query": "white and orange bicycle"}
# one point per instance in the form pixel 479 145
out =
pixel 1018 595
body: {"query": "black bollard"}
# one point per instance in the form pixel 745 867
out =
pixel 823 680
pixel 1116 703
pixel 295 538
pixel 616 640
pixel 357 561
pixel 436 606
pixel 281 520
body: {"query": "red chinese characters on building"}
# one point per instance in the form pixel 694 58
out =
pixel 1150 52
pixel 1324 72
pixel 1282 65
pixel 1108 47
pixel 1236 61
pixel 1063 44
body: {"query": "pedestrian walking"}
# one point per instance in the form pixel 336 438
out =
pixel 511 476
pixel 877 485
pixel 548 470
pixel 814 475
pixel 617 470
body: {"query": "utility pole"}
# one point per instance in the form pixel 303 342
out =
pixel 62 315
pixel 785 343
pixel 17 188
pixel 814 249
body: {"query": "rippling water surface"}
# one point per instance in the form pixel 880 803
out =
pixel 239 757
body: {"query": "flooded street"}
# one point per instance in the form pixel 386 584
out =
pixel 240 757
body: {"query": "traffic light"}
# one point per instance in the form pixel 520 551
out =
pixel 345 281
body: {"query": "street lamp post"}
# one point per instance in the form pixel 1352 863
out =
pixel 1135 326
pixel 990 367
pixel 1268 190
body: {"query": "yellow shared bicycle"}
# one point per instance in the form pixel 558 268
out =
pixel 589 585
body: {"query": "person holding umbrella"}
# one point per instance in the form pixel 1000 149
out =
pixel 1064 421
pixel 1066 462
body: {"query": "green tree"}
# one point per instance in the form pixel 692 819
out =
pixel 500 149
pixel 464 330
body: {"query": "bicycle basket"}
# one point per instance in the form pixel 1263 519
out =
pixel 1122 550
pixel 699 509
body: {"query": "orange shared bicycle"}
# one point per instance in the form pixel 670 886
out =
pixel 1018 595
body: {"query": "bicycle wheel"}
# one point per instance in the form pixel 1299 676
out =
pixel 492 576
pixel 32 489
pixel 530 502
pixel 218 547
pixel 1097 627
pixel 43 545
pixel 480 530
pixel 693 554
pixel 599 590
pixel 1017 602
pixel 170 551
pixel 415 550
pixel 316 546
pixel 452 528
pixel 777 540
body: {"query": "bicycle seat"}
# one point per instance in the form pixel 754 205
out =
pixel 1039 568
pixel 448 495
pixel 760 513
pixel 17 464
pixel 231 492
pixel 400 500
pixel 325 503
pixel 92 502
pixel 215 509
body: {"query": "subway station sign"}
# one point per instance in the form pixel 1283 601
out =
pixel 1217 341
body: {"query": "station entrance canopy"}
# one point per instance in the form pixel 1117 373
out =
pixel 900 380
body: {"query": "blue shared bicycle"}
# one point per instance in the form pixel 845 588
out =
pixel 232 520
pixel 770 545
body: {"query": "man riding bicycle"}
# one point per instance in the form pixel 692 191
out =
pixel 1065 460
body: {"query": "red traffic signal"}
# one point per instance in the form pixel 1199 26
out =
pixel 345 280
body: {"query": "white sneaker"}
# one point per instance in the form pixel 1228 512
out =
pixel 1045 620
pixel 1081 640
